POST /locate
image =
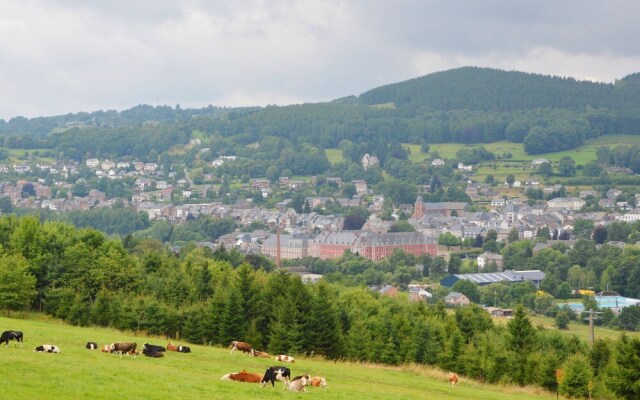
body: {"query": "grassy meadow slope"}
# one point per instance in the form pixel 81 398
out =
pixel 77 373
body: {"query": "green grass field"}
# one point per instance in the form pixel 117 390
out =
pixel 77 373
pixel 575 328
pixel 581 155
pixel 335 155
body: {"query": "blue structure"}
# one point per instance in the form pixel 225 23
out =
pixel 486 278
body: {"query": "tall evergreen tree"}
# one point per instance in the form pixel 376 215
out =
pixel 232 323
pixel 323 324
pixel 520 339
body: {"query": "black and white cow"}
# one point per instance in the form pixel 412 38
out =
pixel 47 348
pixel 151 353
pixel 12 335
pixel 273 374
pixel 184 349
pixel 92 346
pixel 153 347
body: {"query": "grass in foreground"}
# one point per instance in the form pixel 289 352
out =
pixel 79 373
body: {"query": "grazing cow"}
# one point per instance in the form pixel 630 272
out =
pixel 12 335
pixel 91 346
pixel 106 348
pixel 259 354
pixel 151 353
pixel 453 379
pixel 298 383
pixel 273 374
pixel 244 376
pixel 284 358
pixel 242 346
pixel 318 381
pixel 153 347
pixel 124 348
pixel 47 348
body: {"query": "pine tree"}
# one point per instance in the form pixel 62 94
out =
pixel 359 341
pixel 520 340
pixel 232 323
pixel 323 324
pixel 577 375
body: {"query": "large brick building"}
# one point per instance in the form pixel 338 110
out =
pixel 291 246
pixel 371 245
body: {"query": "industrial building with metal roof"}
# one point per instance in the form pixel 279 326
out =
pixel 535 276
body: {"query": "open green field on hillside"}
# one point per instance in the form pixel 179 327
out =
pixel 77 373
pixel 575 328
pixel 581 155
pixel 335 155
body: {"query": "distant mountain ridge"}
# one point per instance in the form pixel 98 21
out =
pixel 463 105
pixel 487 89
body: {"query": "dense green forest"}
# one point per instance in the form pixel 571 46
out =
pixel 467 105
pixel 208 297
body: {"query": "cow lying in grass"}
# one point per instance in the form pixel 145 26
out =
pixel 91 346
pixel 179 349
pixel 298 383
pixel 284 358
pixel 47 348
pixel 259 354
pixel 318 381
pixel 243 376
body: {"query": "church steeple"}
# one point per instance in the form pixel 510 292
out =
pixel 418 208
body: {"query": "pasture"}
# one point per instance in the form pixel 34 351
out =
pixel 335 155
pixel 79 373
pixel 581 155
pixel 579 329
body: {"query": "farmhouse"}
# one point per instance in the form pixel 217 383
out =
pixel 456 299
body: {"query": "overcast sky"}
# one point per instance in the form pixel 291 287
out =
pixel 66 56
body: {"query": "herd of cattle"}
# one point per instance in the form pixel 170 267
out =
pixel 271 375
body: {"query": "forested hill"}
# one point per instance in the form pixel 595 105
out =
pixel 468 105
pixel 486 89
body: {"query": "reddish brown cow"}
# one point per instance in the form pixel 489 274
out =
pixel 259 354
pixel 244 376
pixel 172 347
pixel 453 379
pixel 243 346
pixel 318 381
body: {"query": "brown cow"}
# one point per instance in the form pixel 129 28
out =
pixel 285 358
pixel 105 348
pixel 243 346
pixel 259 354
pixel 124 348
pixel 179 349
pixel 453 379
pixel 318 381
pixel 244 376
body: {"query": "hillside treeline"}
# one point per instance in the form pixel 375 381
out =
pixel 466 105
pixel 215 297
